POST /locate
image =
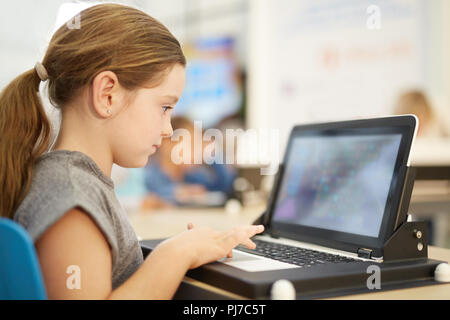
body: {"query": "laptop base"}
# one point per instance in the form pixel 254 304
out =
pixel 321 281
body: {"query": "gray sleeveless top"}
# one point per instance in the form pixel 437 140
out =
pixel 63 180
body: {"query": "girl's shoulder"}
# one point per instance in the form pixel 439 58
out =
pixel 63 180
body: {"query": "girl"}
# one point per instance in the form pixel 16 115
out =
pixel 116 80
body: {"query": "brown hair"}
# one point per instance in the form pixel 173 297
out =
pixel 117 38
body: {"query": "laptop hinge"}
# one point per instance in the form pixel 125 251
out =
pixel 365 253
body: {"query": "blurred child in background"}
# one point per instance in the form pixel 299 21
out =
pixel 416 102
pixel 171 184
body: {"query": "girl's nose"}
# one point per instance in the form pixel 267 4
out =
pixel 167 131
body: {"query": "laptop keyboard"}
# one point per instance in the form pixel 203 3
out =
pixel 293 255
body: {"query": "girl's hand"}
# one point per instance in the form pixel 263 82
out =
pixel 205 245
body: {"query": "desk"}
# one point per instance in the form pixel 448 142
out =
pixel 164 223
pixel 431 199
pixel 168 222
pixel 431 193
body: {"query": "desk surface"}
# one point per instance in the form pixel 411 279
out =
pixel 430 152
pixel 163 223
pixel 159 224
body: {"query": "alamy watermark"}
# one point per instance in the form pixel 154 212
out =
pixel 74 280
pixel 374 19
pixel 252 146
pixel 374 280
pixel 75 22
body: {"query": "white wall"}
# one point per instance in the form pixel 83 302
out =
pixel 366 71
pixel 25 27
pixel 446 56
pixel 438 57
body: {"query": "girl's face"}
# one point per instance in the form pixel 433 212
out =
pixel 137 131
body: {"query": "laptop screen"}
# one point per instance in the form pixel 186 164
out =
pixel 338 183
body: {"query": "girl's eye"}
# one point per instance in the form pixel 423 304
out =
pixel 166 108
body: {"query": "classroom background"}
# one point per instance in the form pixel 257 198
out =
pixel 265 64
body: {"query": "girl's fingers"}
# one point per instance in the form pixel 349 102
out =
pixel 242 235
pixel 250 231
pixel 249 244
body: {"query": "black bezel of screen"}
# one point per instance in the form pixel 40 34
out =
pixel 404 125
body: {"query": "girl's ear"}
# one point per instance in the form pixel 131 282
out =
pixel 105 93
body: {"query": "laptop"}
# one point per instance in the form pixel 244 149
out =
pixel 337 195
pixel 333 206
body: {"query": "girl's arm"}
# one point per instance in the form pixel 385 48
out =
pixel 75 240
pixel 158 277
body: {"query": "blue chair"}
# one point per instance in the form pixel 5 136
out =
pixel 20 272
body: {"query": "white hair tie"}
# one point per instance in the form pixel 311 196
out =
pixel 41 71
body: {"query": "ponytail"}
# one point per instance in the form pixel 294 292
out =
pixel 24 136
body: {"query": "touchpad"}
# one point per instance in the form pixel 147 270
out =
pixel 252 263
